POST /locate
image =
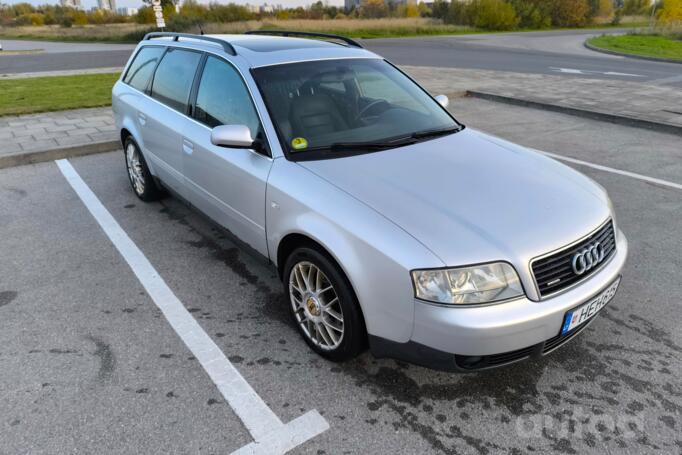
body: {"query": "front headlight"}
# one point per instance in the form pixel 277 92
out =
pixel 468 285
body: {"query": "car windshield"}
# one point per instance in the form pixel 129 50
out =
pixel 332 108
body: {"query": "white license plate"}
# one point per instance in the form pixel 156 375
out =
pixel 585 312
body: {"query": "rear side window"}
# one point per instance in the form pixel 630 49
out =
pixel 142 67
pixel 223 98
pixel 173 78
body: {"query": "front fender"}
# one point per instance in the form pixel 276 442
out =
pixel 375 254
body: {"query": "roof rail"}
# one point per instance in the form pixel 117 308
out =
pixel 227 47
pixel 345 39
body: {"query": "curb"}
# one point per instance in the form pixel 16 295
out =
pixel 622 54
pixel 596 115
pixel 40 156
pixel 8 76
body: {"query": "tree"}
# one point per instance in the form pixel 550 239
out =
pixel 373 9
pixel 407 10
pixel 570 13
pixel 600 8
pixel 439 9
pixel 79 18
pixel 423 9
pixel 164 3
pixel 493 15
pixel 605 8
pixel 671 13
pixel 145 15
pixel 533 13
pixel 316 10
pixel 411 10
pixel 193 11
pixel 458 13
pixel 635 7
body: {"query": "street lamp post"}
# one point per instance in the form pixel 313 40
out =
pixel 652 19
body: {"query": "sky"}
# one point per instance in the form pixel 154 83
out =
pixel 87 4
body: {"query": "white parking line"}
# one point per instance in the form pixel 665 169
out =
pixel 270 435
pixel 614 171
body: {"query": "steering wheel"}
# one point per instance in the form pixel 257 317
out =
pixel 369 107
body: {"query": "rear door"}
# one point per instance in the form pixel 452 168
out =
pixel 228 184
pixel 165 116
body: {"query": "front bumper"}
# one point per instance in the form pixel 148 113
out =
pixel 446 337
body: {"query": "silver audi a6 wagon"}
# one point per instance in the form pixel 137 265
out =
pixel 391 224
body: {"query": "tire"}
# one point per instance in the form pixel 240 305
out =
pixel 323 302
pixel 140 178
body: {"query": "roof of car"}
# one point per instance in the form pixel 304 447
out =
pixel 264 50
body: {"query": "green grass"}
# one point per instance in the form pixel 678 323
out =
pixel 56 93
pixel 643 45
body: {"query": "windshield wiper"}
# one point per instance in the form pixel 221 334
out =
pixel 376 145
pixel 436 132
pixel 399 141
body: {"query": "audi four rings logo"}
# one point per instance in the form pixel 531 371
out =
pixel 587 258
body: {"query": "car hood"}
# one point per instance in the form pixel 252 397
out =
pixel 470 197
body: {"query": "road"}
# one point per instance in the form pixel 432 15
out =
pixel 89 364
pixel 553 52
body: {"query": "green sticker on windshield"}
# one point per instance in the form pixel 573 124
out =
pixel 299 143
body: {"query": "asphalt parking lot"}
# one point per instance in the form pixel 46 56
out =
pixel 89 364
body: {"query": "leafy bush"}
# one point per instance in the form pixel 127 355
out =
pixel 180 23
pixel 636 7
pixel 493 15
pixel 373 9
pixel 37 19
pixel 570 13
pixel 533 13
pixel 671 13
pixel 145 15
pixel 228 13
pixel 440 9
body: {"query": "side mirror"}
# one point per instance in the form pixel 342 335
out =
pixel 235 136
pixel 443 100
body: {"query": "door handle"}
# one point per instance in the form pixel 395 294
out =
pixel 142 118
pixel 187 147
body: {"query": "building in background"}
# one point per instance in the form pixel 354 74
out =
pixel 264 8
pixel 351 4
pixel 126 11
pixel 71 3
pixel 108 5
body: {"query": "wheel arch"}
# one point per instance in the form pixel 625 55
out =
pixel 290 242
pixel 125 134
pixel 128 131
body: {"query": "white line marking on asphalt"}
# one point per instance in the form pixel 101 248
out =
pixel 270 435
pixel 615 171
pixel 566 70
pixel 615 73
pixel 587 72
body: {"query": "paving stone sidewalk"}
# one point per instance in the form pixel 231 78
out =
pixel 660 104
pixel 636 100
pixel 35 132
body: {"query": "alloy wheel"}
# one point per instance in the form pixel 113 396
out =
pixel 135 171
pixel 316 306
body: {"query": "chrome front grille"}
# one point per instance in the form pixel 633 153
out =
pixel 555 272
